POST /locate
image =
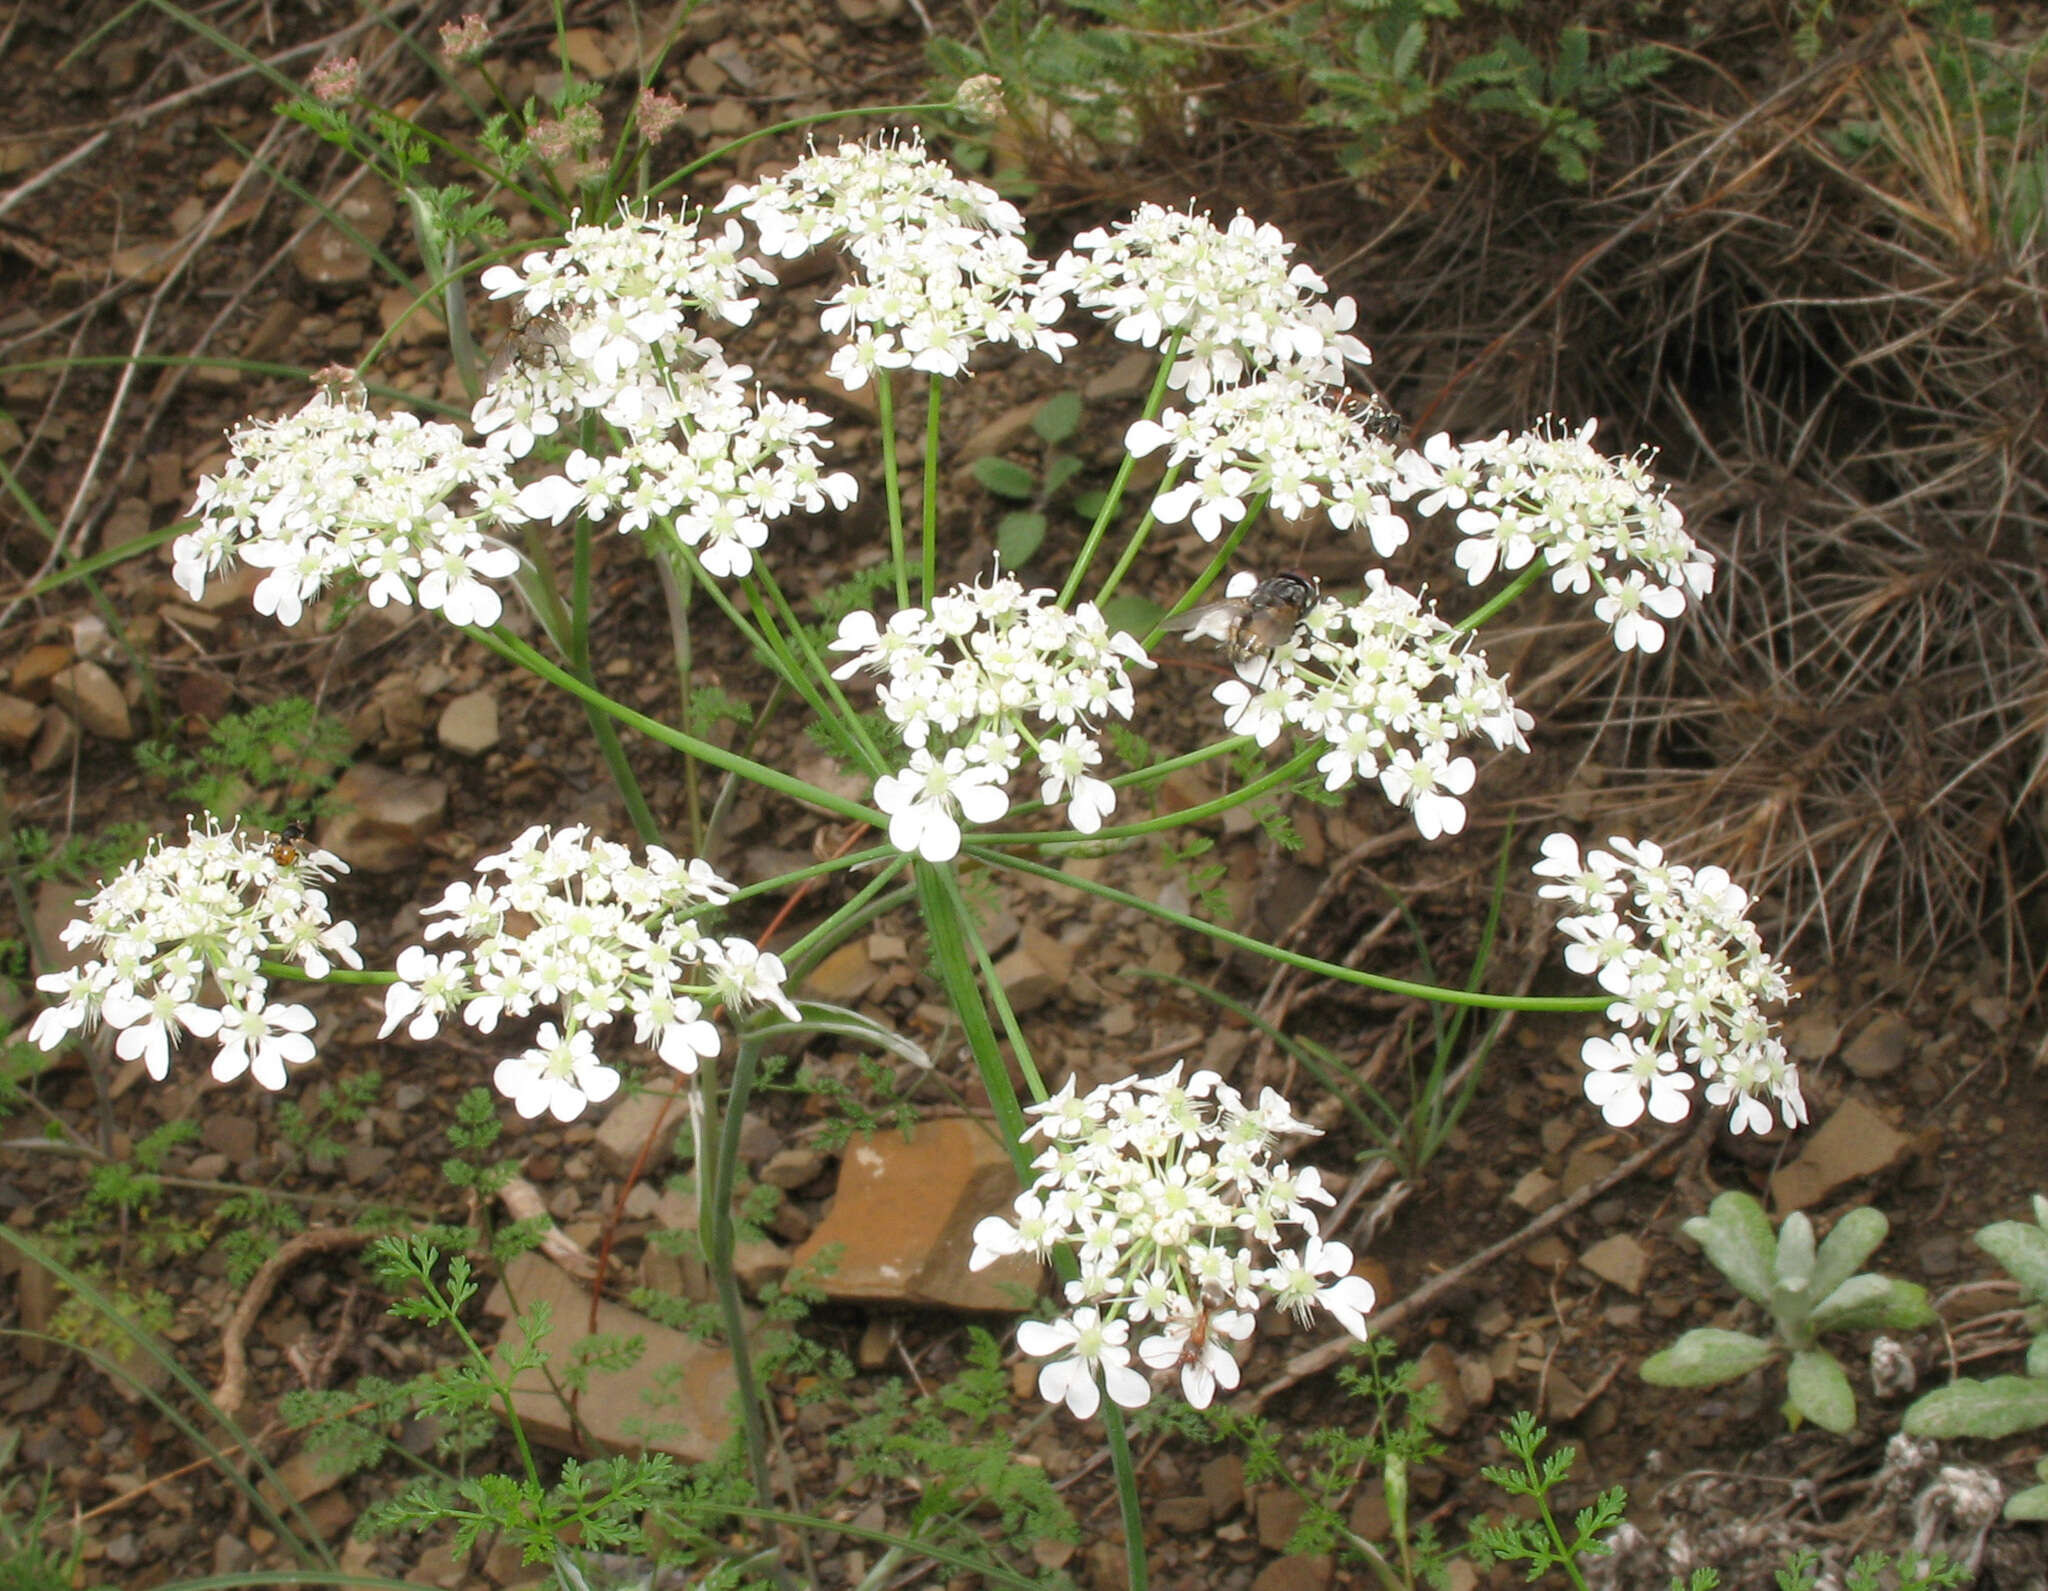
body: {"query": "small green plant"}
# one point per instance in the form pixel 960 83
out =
pixel 2003 1405
pixel 1870 1572
pixel 287 748
pixel 1808 1291
pixel 1021 532
pixel 1540 1542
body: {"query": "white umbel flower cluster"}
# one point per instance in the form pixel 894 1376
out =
pixel 942 266
pixel 186 916
pixel 1391 688
pixel 989 668
pixel 597 935
pixel 1290 442
pixel 1690 980
pixel 336 489
pixel 603 316
pixel 1179 1215
pixel 695 453
pixel 1231 293
pixel 1553 493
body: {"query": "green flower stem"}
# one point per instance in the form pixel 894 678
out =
pixel 1140 778
pixel 296 974
pixel 1136 544
pixel 837 864
pixel 1522 582
pixel 717 1160
pixel 820 669
pixel 1137 1572
pixel 829 933
pixel 677 581
pixel 609 746
pixel 993 984
pixel 1286 773
pixel 1207 577
pixel 938 897
pixel 1258 947
pixel 1110 504
pixel 951 933
pixel 782 668
pixel 885 408
pixel 931 488
pixel 514 650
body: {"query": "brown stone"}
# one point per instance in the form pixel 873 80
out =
pixel 89 694
pixel 383 818
pixel 674 1399
pixel 1854 1142
pixel 19 721
pixel 905 1215
pixel 35 667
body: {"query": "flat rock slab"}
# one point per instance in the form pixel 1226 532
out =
pixel 676 1399
pixel 905 1214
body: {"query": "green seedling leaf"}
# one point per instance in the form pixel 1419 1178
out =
pixel 2029 1504
pixel 1737 1236
pixel 2037 1356
pixel 1871 1302
pixel 1817 1389
pixel 1006 478
pixel 1706 1358
pixel 2023 1250
pixel 2001 1406
pixel 1089 503
pixel 1854 1239
pixel 1059 417
pixel 1018 536
pixel 1794 1264
pixel 1060 469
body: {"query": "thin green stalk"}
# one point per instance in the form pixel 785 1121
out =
pixel 951 932
pixel 514 650
pixel 931 488
pixel 820 669
pixel 676 581
pixel 1136 544
pixel 609 746
pixel 838 864
pixel 1137 1572
pixel 992 982
pixel 717 1157
pixel 1106 514
pixel 863 908
pixel 951 959
pixel 1290 958
pixel 1522 582
pixel 885 409
pixel 1286 773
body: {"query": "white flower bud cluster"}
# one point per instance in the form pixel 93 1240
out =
pixel 942 264
pixel 1690 980
pixel 184 916
pixel 1391 688
pixel 979 670
pixel 1169 1195
pixel 575 923
pixel 1553 493
pixel 335 489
